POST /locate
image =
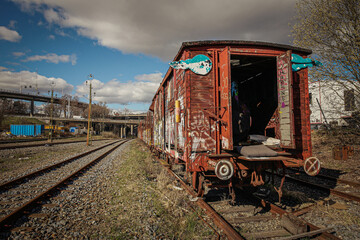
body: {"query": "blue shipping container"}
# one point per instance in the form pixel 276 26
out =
pixel 73 129
pixel 26 130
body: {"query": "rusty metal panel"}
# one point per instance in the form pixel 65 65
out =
pixel 180 95
pixel 302 113
pixel 147 131
pixel 285 101
pixel 169 115
pixel 158 121
pixel 225 100
pixel 201 126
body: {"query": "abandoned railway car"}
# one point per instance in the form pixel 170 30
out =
pixel 230 112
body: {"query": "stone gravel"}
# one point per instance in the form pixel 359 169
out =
pixel 31 188
pixel 78 211
pixel 326 210
pixel 18 162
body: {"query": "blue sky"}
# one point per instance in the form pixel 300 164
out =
pixel 126 45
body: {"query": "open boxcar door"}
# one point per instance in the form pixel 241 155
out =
pixel 285 101
pixel 225 99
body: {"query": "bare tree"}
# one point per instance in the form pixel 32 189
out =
pixel 56 109
pixel 64 103
pixel 98 110
pixel 332 30
pixel 74 106
pixel 21 108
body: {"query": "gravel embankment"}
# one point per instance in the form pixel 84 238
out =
pixel 124 196
pixel 18 162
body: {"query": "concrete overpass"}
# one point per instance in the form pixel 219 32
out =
pixel 94 120
pixel 37 98
pixel 122 125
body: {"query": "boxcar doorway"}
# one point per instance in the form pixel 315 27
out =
pixel 253 95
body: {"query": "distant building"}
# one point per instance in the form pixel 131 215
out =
pixel 338 101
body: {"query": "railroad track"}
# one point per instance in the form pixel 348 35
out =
pixel 326 178
pixel 327 184
pixel 7 141
pixel 231 219
pixel 14 146
pixel 20 196
pixel 12 182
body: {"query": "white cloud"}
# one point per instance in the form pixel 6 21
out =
pixel 141 90
pixel 158 27
pixel 52 37
pixel 53 58
pixel 13 80
pixel 152 77
pixel 9 35
pixel 18 54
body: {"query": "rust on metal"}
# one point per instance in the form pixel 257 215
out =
pixel 330 190
pixel 200 119
pixel 342 152
pixel 230 232
pixel 338 180
pixel 277 210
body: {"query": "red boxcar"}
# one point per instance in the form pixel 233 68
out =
pixel 204 119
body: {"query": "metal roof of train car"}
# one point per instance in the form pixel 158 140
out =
pixel 204 43
pixel 240 42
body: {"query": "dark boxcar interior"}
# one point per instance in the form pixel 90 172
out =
pixel 254 94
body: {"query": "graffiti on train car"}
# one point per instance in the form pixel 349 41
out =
pixel 200 134
pixel 195 122
pixel 181 124
pixel 200 64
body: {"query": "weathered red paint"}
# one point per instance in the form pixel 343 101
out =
pixel 204 134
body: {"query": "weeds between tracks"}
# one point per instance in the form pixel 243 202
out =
pixel 147 203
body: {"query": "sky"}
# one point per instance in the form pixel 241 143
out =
pixel 126 45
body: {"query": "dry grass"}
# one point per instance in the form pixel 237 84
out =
pixel 339 217
pixel 295 196
pixel 323 143
pixel 108 135
pixel 146 204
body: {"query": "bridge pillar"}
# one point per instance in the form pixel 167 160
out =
pixel 132 130
pixel 121 131
pixel 32 108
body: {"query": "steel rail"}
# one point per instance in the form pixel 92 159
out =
pixel 323 188
pixel 327 189
pixel 9 141
pixel 6 185
pixel 6 221
pixel 338 180
pixel 43 144
pixel 277 210
pixel 230 232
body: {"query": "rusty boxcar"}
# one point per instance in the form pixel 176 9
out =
pixel 216 104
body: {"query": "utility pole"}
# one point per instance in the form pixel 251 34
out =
pixel 52 84
pixel 88 137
